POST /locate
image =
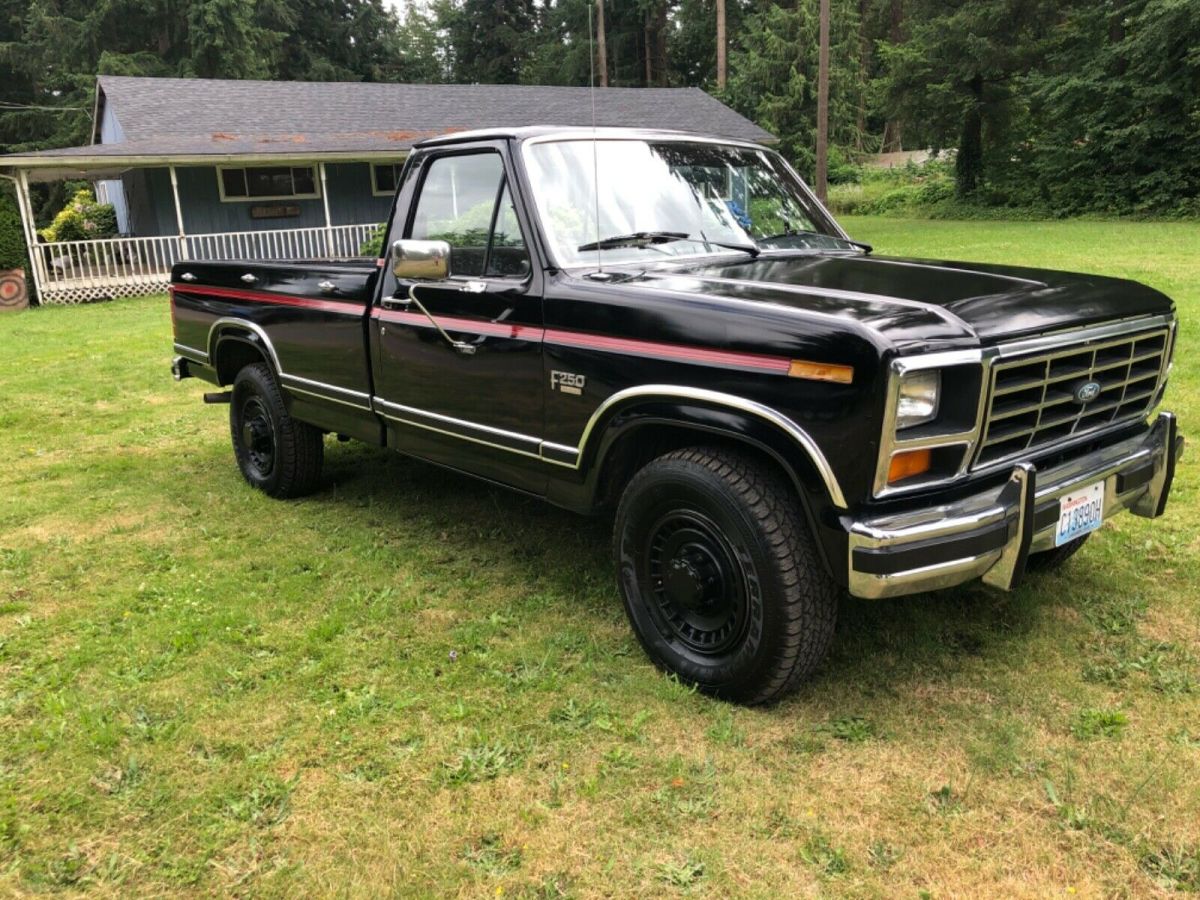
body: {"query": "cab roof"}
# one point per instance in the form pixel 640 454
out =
pixel 542 132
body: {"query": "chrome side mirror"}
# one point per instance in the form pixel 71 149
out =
pixel 421 260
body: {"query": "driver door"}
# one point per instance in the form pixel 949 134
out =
pixel 479 410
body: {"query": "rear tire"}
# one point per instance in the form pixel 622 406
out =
pixel 276 454
pixel 720 575
pixel 1050 560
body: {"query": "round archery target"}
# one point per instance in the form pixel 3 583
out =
pixel 12 289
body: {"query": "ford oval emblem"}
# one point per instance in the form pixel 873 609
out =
pixel 1087 392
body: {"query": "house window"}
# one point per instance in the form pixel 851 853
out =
pixel 268 183
pixel 384 178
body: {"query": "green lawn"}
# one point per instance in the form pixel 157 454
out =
pixel 414 684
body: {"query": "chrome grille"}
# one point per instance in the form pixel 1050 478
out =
pixel 1031 399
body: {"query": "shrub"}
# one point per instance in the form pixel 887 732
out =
pixel 82 219
pixel 373 246
pixel 12 236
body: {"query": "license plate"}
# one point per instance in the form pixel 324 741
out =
pixel 1080 512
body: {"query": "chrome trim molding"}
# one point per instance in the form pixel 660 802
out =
pixel 196 356
pixel 314 389
pixel 214 332
pixel 1014 503
pixel 521 444
pixel 572 457
pixel 325 386
pixel 1080 334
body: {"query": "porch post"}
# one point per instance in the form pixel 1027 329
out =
pixel 25 207
pixel 328 220
pixel 183 250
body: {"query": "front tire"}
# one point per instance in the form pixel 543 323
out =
pixel 720 575
pixel 276 454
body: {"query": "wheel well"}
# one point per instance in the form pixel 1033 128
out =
pixel 638 446
pixel 233 353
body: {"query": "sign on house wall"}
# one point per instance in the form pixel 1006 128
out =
pixel 287 211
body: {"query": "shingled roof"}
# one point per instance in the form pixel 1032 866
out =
pixel 192 117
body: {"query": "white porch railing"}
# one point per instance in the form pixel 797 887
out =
pixel 292 243
pixel 73 271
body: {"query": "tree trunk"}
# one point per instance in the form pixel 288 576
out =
pixel 721 62
pixel 601 49
pixel 968 166
pixel 655 31
pixel 1116 37
pixel 660 44
pixel 864 64
pixel 823 106
pixel 648 41
pixel 892 138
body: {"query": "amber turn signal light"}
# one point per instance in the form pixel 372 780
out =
pixel 909 463
pixel 814 371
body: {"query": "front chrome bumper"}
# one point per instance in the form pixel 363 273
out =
pixel 990 535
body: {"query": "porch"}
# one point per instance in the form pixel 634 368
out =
pixel 78 271
pixel 181 211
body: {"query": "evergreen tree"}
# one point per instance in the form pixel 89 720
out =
pixel 1068 105
pixel 773 75
pixel 952 79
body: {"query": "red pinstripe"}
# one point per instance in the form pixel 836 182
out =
pixel 677 352
pixel 345 307
pixel 681 352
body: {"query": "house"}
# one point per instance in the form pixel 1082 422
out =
pixel 217 169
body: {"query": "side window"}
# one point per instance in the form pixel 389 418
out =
pixel 509 258
pixel 455 206
pixel 458 204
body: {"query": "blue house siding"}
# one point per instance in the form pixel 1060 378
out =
pixel 151 205
pixel 350 199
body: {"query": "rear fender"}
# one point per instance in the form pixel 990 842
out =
pixel 227 332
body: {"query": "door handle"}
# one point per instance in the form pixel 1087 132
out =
pixel 395 302
pixel 250 279
pixel 327 287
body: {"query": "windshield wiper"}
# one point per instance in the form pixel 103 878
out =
pixel 648 238
pixel 752 249
pixel 637 238
pixel 866 248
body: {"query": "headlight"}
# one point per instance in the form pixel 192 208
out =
pixel 919 394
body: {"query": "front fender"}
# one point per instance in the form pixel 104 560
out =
pixel 715 412
pixel 709 415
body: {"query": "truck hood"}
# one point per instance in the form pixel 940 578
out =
pixel 923 301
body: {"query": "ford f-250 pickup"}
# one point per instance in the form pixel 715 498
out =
pixel 672 326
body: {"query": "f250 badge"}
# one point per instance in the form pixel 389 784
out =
pixel 567 382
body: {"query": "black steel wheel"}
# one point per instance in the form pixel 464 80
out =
pixel 701 591
pixel 276 454
pixel 258 439
pixel 720 576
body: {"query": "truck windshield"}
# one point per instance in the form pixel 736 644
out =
pixel 669 199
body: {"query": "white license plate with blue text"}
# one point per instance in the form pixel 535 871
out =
pixel 1080 512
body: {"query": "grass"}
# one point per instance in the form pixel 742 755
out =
pixel 413 684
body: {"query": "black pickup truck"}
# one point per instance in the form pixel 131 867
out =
pixel 673 327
